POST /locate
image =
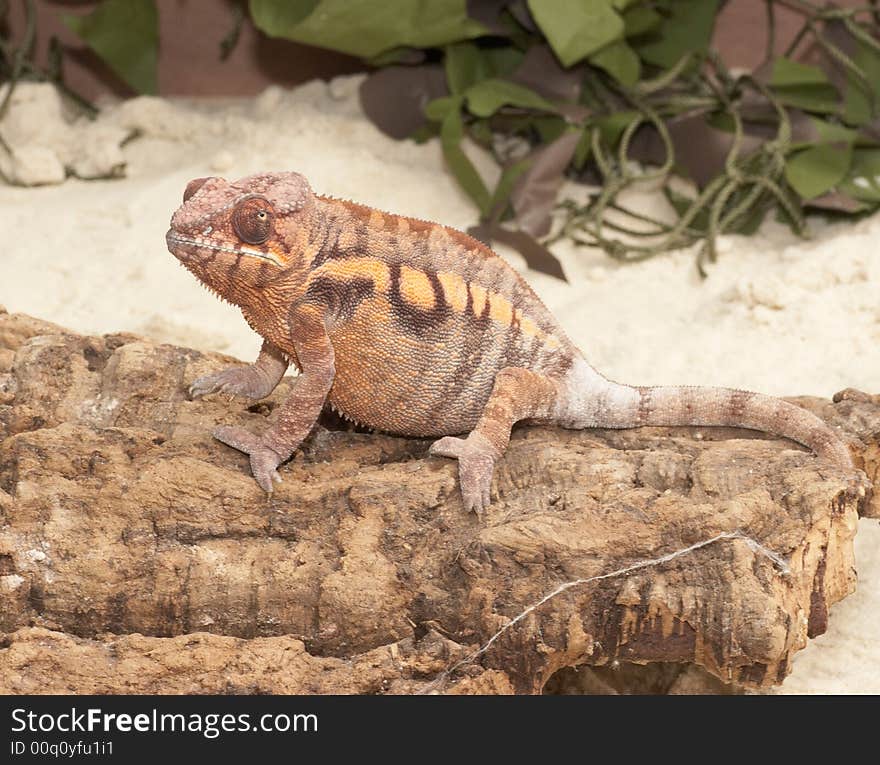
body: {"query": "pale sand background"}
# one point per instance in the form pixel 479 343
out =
pixel 778 314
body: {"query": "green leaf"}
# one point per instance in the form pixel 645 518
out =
pixel 437 109
pixel 612 126
pixel 803 86
pixel 863 180
pixel 582 150
pixel 815 170
pixel 577 29
pixel 488 96
pixel 722 120
pixel 503 60
pixel 501 196
pixel 480 131
pixel 686 28
pixel 463 66
pixel 549 127
pixel 364 27
pixel 284 14
pixel 814 131
pixel 466 64
pixel 830 132
pixel 787 73
pixel 400 55
pixel 639 20
pixel 451 134
pixel 125 34
pixel 822 99
pixel 620 61
pixel 426 132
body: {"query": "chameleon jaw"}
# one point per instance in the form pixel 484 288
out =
pixel 173 238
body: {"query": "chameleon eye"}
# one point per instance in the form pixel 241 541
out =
pixel 252 220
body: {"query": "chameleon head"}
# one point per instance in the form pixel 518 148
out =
pixel 231 235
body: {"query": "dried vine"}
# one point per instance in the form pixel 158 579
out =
pixel 749 184
pixel 609 95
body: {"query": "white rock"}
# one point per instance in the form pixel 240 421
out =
pixel 34 117
pixel 98 151
pixel 35 166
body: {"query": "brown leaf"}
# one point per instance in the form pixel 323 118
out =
pixel 803 129
pixel 837 34
pixel 520 11
pixel 700 149
pixel 534 192
pixel 541 71
pixel 487 12
pixel 394 98
pixel 834 200
pixel 872 129
pixel 536 255
pixel 575 114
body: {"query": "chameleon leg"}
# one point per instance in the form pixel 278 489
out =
pixel 254 381
pixel 298 414
pixel 516 395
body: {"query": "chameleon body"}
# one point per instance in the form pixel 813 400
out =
pixel 414 328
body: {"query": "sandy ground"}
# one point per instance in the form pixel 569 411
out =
pixel 777 314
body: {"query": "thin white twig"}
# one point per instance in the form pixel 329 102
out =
pixel 775 558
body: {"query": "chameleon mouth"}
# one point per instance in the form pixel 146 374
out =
pixel 172 238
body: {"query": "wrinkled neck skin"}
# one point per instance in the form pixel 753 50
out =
pixel 263 290
pixel 265 304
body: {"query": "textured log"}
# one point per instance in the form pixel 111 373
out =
pixel 137 554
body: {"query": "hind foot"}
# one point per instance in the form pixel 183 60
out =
pixel 264 460
pixel 476 463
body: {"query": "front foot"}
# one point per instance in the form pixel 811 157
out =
pixel 236 381
pixel 264 460
pixel 476 463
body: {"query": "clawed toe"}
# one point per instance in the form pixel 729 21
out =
pixel 237 381
pixel 476 463
pixel 476 486
pixel 238 438
pixel 449 446
pixel 264 461
pixel 199 388
pixel 263 466
pixel 206 384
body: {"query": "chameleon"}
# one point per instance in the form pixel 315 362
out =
pixel 413 328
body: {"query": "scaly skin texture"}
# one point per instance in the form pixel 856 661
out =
pixel 414 328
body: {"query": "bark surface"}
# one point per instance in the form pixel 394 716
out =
pixel 137 554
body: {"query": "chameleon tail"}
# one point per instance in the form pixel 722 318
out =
pixel 607 404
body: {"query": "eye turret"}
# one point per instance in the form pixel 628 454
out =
pixel 252 220
pixel 192 187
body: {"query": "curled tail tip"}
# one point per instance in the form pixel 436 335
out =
pixel 840 454
pixel 827 442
